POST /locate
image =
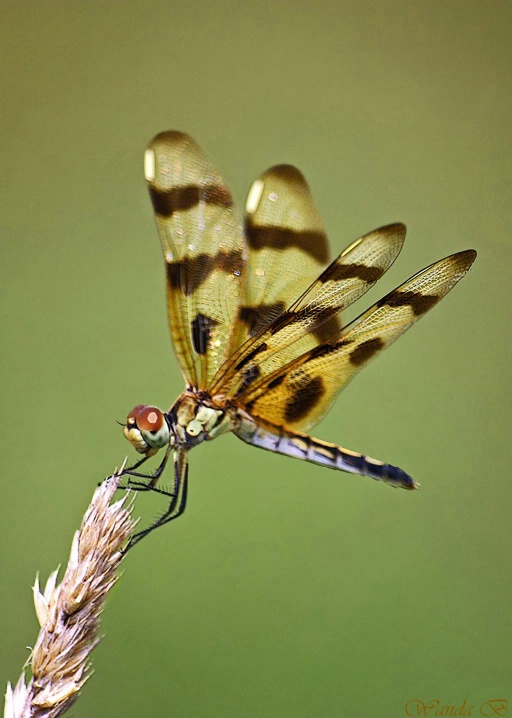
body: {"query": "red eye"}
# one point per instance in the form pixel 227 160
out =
pixel 147 418
pixel 135 412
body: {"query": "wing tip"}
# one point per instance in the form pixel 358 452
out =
pixel 394 230
pixel 287 172
pixel 273 182
pixel 467 257
pixel 395 227
pixel 461 262
pixel 170 137
pixel 167 142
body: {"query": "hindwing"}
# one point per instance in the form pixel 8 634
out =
pixel 298 394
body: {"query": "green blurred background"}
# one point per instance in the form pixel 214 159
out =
pixel 287 590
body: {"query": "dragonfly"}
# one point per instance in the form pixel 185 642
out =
pixel 254 312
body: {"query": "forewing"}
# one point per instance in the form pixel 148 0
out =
pixel 204 249
pixel 298 395
pixel 348 277
pixel 287 249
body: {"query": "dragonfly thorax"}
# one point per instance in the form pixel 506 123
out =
pixel 195 419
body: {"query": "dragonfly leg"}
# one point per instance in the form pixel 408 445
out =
pixel 178 499
pixel 151 477
pixel 129 470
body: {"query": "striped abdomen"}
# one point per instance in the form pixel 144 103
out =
pixel 302 446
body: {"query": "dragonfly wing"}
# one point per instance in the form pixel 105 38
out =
pixel 204 251
pixel 287 248
pixel 298 394
pixel 292 333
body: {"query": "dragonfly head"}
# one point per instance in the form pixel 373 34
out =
pixel 147 429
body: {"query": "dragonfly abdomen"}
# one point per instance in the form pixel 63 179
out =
pixel 301 446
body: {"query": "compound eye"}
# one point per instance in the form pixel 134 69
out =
pixel 131 419
pixel 146 429
pixel 149 418
pixel 146 426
